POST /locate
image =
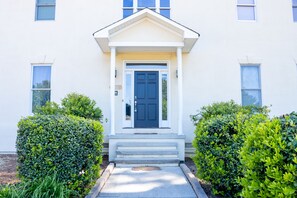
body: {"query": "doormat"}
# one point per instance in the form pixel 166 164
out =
pixel 146 168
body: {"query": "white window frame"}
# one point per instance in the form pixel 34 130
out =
pixel 162 123
pixel 37 89
pixel 37 5
pixel 157 6
pixel 247 5
pixel 260 81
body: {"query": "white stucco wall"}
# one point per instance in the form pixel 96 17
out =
pixel 211 70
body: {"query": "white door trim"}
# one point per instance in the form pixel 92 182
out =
pixel 130 123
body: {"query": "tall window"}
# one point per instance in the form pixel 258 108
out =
pixel 41 86
pixel 251 85
pixel 246 9
pixel 45 9
pixel 295 10
pixel 160 6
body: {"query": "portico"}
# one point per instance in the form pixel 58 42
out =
pixel 147 83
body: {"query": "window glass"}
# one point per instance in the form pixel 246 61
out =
pixel 295 2
pixel 46 13
pixel 165 3
pixel 127 12
pixel 39 98
pixel 146 66
pixel 128 99
pixel 250 77
pixel 164 97
pixel 45 9
pixel 246 12
pixel 41 84
pixel 245 1
pixel 250 85
pixel 41 77
pixel 146 3
pixel 295 14
pixel 251 97
pixel 128 3
pixel 165 12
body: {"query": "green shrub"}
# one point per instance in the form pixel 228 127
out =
pixel 68 145
pixel 226 108
pixel 269 157
pixel 73 104
pixel 49 187
pixel 218 139
pixel 82 106
pixel 50 108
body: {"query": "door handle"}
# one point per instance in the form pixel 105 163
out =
pixel 135 106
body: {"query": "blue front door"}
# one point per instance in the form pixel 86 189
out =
pixel 146 99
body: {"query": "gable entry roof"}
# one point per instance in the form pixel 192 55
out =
pixel 106 37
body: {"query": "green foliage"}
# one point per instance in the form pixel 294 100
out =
pixel 218 139
pixel 68 145
pixel 49 187
pixel 73 104
pixel 82 106
pixel 226 108
pixel 269 157
pixel 50 108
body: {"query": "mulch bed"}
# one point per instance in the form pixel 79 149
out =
pixel 8 173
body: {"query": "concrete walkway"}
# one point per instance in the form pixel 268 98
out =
pixel 169 182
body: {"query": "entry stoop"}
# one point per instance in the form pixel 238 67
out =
pixel 128 150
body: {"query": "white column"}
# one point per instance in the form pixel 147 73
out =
pixel 180 90
pixel 112 90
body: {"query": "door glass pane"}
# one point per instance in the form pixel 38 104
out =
pixel 128 99
pixel 146 3
pixel 41 77
pixel 246 12
pixel 165 3
pixel 246 1
pixel 165 12
pixel 250 77
pixel 128 3
pixel 164 97
pixel 45 13
pixel 40 97
pixel 251 97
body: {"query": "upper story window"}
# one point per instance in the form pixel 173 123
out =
pixel 295 10
pixel 45 9
pixel 41 85
pixel 251 85
pixel 246 10
pixel 160 6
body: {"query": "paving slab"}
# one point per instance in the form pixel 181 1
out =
pixel 168 182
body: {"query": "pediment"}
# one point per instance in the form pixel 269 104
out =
pixel 146 30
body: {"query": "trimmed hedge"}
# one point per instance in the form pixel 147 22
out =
pixel 269 157
pixel 68 145
pixel 218 139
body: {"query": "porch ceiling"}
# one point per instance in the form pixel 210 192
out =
pixel 144 31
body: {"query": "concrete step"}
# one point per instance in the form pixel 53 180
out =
pixel 146 144
pixel 146 161
pixel 146 152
